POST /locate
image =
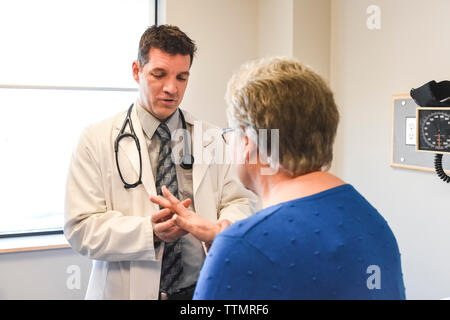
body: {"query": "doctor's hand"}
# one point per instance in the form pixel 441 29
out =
pixel 199 227
pixel 163 227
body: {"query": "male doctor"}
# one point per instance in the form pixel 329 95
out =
pixel 137 252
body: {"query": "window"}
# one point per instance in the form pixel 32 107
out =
pixel 63 65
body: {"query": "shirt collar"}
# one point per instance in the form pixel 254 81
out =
pixel 150 123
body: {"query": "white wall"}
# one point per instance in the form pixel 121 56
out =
pixel 367 68
pixel 275 28
pixel 229 33
pixel 42 275
pixel 226 36
pixel 311 34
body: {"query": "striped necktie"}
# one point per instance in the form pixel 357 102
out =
pixel 172 266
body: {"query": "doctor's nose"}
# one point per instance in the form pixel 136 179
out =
pixel 170 87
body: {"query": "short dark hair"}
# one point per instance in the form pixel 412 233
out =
pixel 167 38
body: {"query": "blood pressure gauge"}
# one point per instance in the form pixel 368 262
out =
pixel 433 130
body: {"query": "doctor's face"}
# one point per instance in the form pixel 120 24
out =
pixel 162 82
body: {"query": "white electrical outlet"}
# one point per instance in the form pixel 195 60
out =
pixel 411 131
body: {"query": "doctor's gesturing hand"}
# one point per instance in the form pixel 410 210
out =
pixel 178 218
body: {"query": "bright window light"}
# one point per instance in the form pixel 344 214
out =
pixel 63 66
pixel 71 42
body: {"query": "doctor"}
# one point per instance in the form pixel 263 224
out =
pixel 137 253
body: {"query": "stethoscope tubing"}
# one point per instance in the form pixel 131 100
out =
pixel 187 159
pixel 132 134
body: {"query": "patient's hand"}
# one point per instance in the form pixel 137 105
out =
pixel 199 227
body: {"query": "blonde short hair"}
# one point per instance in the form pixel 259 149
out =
pixel 282 93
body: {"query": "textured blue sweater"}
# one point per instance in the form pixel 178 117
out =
pixel 330 245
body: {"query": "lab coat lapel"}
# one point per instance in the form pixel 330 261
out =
pixel 128 147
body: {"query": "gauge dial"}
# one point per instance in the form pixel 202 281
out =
pixel 435 130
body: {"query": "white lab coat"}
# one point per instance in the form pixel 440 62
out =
pixel 111 225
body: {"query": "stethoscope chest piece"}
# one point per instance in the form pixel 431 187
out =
pixel 187 161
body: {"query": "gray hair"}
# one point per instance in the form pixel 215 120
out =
pixel 282 93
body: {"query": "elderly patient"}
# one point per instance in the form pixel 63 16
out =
pixel 317 237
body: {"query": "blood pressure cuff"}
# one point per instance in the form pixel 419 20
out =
pixel 432 94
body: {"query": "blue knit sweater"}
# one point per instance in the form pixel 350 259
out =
pixel 330 245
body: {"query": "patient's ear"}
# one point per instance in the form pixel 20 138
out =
pixel 250 150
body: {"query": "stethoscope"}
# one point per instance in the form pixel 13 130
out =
pixel 187 160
